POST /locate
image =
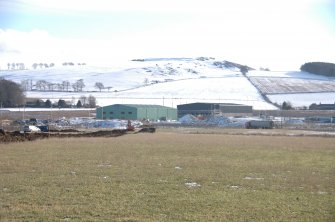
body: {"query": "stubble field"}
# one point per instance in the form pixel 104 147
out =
pixel 169 176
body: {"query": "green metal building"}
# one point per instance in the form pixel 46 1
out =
pixel 136 112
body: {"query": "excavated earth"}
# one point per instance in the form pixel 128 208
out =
pixel 16 136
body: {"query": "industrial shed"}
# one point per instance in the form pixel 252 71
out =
pixel 322 106
pixel 208 109
pixel 136 112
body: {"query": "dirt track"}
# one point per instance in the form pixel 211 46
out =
pixel 16 136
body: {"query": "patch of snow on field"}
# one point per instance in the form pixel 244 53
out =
pixel 271 85
pixel 288 74
pixel 304 99
pixel 105 165
pixel 253 178
pixel 192 185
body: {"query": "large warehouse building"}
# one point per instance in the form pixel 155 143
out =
pixel 136 112
pixel 208 109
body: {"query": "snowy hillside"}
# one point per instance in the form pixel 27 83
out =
pixel 175 81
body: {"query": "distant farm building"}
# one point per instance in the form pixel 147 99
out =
pixel 208 109
pixel 136 112
pixel 322 106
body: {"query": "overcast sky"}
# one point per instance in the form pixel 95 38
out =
pixel 278 34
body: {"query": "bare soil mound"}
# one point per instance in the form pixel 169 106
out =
pixel 16 136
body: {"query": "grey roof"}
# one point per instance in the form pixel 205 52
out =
pixel 222 104
pixel 137 106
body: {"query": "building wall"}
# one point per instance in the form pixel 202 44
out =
pixel 206 109
pixel 235 109
pixel 159 113
pixel 116 112
pixel 136 112
pixel 322 107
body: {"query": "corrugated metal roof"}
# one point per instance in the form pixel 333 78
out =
pixel 221 104
pixel 137 106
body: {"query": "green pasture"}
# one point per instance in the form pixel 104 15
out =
pixel 169 176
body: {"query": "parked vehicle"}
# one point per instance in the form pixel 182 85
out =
pixel 44 128
pixel 259 124
pixel 30 129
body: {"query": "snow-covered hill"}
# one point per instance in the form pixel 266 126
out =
pixel 174 81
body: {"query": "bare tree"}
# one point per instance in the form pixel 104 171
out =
pixel 99 86
pixel 22 66
pixel 83 100
pixel 92 101
pixel 75 87
pixel 25 85
pixel 66 85
pixel 78 85
pixel 41 85
pixel 50 86
pixel 59 87
pixel 35 65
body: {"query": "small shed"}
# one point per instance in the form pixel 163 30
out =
pixel 136 112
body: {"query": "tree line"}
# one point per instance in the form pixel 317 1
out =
pixel 64 86
pixel 12 95
pixel 41 65
pixel 16 66
pixel 82 102
pixel 43 85
pixel 319 68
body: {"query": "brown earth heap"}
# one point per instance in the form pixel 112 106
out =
pixel 16 136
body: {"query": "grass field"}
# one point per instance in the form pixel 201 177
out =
pixel 169 176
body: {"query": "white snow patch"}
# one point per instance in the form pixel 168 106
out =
pixel 105 165
pixel 105 177
pixel 192 185
pixel 303 99
pixel 253 178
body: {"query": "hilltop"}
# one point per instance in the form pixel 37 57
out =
pixel 174 81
